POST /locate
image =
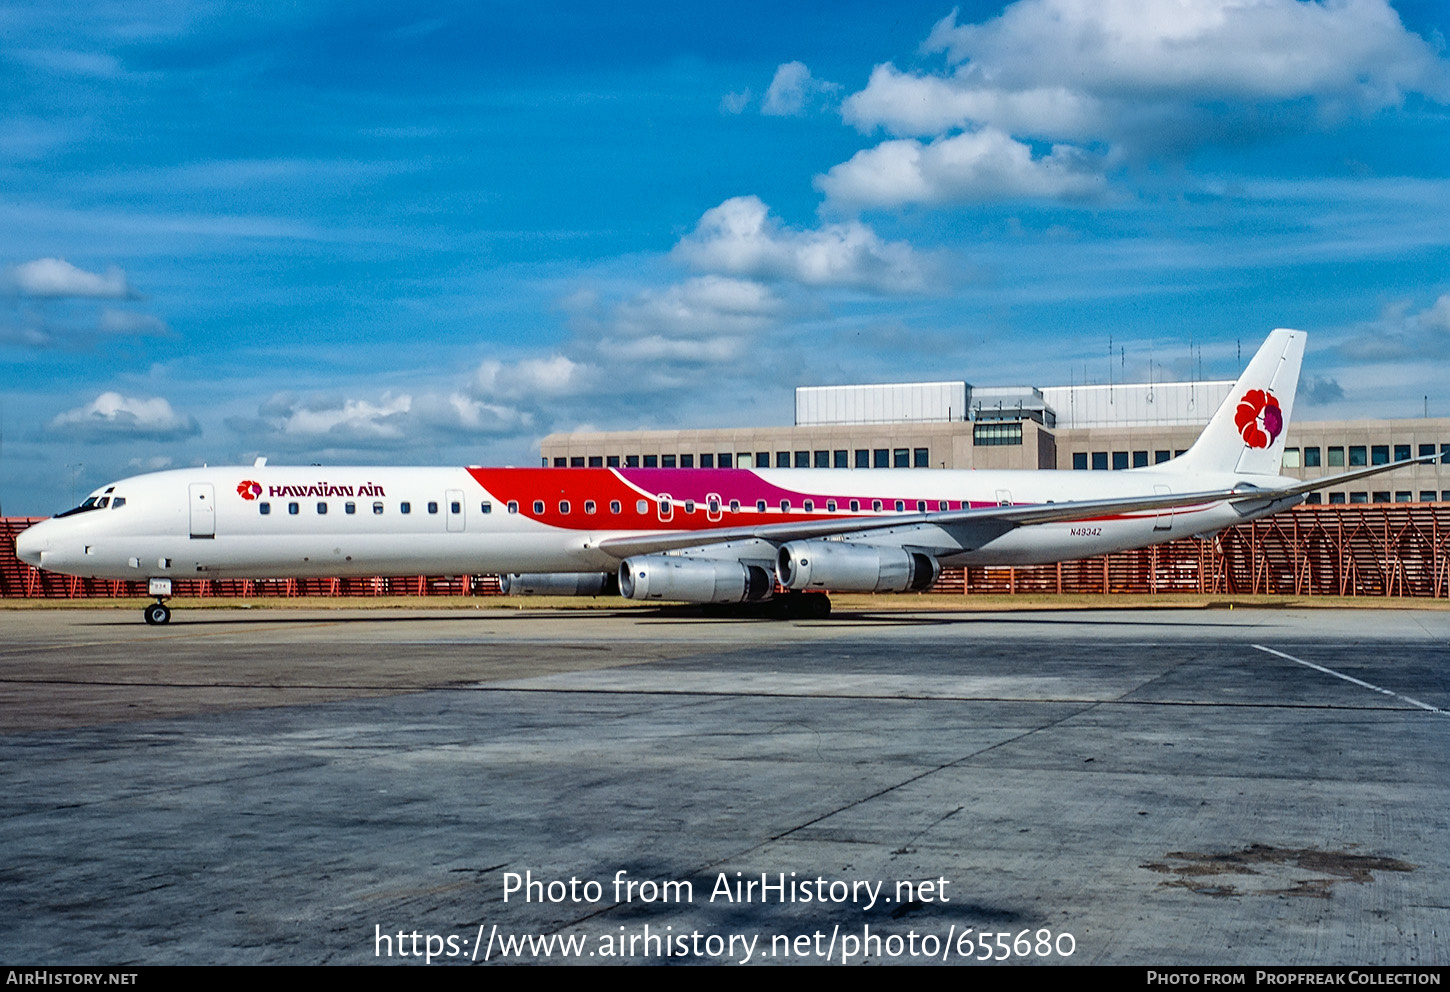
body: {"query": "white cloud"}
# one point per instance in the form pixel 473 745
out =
pixel 735 103
pixel 792 89
pixel 54 278
pixel 531 378
pixel 1135 72
pixel 741 238
pixel 981 165
pixel 130 322
pixel 345 421
pixel 112 416
pixel 1403 334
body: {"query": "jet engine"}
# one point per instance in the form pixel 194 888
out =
pixel 558 584
pixel 693 580
pixel 847 567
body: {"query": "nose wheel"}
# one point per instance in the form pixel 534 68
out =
pixel 157 613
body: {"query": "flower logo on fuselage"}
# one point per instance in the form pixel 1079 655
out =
pixel 1259 418
pixel 249 489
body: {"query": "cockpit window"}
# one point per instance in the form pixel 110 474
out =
pixel 118 502
pixel 91 503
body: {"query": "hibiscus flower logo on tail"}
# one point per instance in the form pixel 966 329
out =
pixel 1259 418
pixel 249 489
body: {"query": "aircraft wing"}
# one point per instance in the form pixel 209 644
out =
pixel 1010 516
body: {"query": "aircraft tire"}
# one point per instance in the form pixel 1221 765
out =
pixel 157 614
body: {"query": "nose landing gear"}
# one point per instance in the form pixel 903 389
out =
pixel 158 612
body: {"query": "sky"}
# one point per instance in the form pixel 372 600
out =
pixel 371 233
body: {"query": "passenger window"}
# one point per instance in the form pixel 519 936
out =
pixel 455 507
pixel 785 506
pixel 855 506
pixel 734 506
pixel 876 505
pixel 713 506
pixel 264 508
pixel 513 506
pixel 589 506
pixel 485 507
pixel 405 507
pixel 665 507
pixel 563 506
pixel 294 509
pixel 615 506
pixel 809 506
pixel 349 508
pixel 377 509
pixel 538 506
pixel 322 509
pixel 921 506
pixel 900 506
pixel 830 506
pixel 689 506
pixel 760 506
pixel 641 506
pixel 432 507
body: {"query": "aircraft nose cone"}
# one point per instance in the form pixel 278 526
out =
pixel 29 545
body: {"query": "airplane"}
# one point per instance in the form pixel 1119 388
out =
pixel 781 537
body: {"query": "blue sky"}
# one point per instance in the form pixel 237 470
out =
pixel 357 232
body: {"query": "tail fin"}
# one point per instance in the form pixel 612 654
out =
pixel 1247 433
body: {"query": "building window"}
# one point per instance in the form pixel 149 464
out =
pixel 1426 449
pixel 841 458
pixel 707 461
pixel 880 458
pixel 995 434
pixel 821 459
pixel 1380 496
pixel 782 459
pixel 1427 495
pixel 631 461
pixel 1311 457
pixel 651 461
pixel 1140 459
pixel 1336 458
pixel 863 458
pixel 1357 456
pixel 1100 461
pixel 1291 457
pixel 920 458
pixel 1079 460
pixel 576 462
pixel 1359 497
pixel 1402 452
pixel 560 463
pixel 1120 460
pixel 1380 454
pixel 1445 454
pixel 1336 497
pixel 900 458
pixel 1312 499
pixel 1403 497
pixel 727 460
pixel 611 461
pixel 667 461
pixel 1159 457
pixel 686 461
pixel 762 459
pixel 802 459
pixel 596 461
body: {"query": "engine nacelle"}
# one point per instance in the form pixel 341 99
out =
pixel 847 567
pixel 559 584
pixel 693 580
